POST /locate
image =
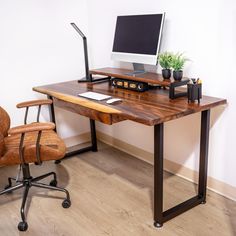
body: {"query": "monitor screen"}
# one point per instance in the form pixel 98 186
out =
pixel 137 38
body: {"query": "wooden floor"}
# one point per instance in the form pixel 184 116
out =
pixel 112 194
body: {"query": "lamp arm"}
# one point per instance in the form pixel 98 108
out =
pixel 88 76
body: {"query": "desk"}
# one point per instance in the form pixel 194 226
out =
pixel 152 108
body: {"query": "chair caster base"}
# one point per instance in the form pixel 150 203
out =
pixel 66 203
pixel 157 225
pixel 7 187
pixel 22 226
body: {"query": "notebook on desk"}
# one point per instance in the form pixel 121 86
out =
pixel 94 96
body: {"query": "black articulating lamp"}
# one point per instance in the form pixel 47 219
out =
pixel 89 77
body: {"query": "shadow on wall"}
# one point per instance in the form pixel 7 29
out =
pixel 182 139
pixel 230 206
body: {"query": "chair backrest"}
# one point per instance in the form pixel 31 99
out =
pixel 4 127
pixel 2 145
pixel 4 122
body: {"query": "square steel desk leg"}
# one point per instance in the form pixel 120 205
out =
pixel 52 113
pixel 158 174
pixel 159 216
pixel 203 163
pixel 93 135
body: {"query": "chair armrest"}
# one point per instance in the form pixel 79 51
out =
pixel 31 128
pixel 38 103
pixel 34 103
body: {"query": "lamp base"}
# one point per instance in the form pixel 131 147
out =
pixel 94 79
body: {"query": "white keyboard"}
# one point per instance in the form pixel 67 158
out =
pixel 94 96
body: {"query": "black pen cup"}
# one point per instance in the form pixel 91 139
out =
pixel 194 92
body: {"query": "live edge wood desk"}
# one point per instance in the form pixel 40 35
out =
pixel 151 108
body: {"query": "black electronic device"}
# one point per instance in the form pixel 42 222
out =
pixel 129 84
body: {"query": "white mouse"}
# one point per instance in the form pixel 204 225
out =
pixel 113 100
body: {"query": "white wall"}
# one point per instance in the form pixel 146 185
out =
pixel 38 46
pixel 206 32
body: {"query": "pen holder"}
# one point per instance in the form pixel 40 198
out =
pixel 194 92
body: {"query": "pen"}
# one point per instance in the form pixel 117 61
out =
pixel 199 81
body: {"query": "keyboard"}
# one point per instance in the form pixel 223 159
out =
pixel 94 96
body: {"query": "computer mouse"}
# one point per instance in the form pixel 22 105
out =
pixel 113 100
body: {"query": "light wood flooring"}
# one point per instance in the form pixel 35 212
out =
pixel 112 194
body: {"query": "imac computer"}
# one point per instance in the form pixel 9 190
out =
pixel 137 40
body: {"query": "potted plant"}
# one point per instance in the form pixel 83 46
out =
pixel 177 63
pixel 165 61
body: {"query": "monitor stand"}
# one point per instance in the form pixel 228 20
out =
pixel 138 69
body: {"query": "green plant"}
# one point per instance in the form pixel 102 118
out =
pixel 165 60
pixel 178 61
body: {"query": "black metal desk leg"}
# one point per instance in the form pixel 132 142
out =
pixel 52 113
pixel 93 135
pixel 159 216
pixel 158 175
pixel 204 142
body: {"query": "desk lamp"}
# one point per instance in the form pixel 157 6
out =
pixel 88 77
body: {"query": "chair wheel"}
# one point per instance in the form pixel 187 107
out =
pixel 57 161
pixel 66 203
pixel 53 183
pixel 22 226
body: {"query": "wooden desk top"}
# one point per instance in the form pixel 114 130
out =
pixel 149 108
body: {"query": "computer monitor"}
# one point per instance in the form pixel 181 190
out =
pixel 137 39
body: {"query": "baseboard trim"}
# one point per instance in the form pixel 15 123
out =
pixel 213 184
pixel 78 139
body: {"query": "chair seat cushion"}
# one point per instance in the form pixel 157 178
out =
pixel 51 148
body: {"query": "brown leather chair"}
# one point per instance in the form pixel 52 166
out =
pixel 30 143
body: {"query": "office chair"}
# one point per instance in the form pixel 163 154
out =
pixel 26 144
